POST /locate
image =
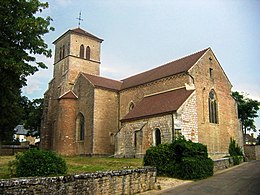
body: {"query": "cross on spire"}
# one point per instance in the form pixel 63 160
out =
pixel 79 18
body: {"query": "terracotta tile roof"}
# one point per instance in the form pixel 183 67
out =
pixel 172 68
pixel 68 95
pixel 163 103
pixel 85 33
pixel 103 82
pixel 80 32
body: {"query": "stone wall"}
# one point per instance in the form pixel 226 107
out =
pixel 189 119
pixel 224 163
pixel 10 150
pixel 252 152
pixel 113 182
pixel 135 137
pixel 208 74
pixel 105 121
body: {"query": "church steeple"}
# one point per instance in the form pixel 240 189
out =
pixel 75 51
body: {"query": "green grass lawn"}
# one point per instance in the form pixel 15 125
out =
pixel 78 165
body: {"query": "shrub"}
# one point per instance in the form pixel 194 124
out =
pixel 36 162
pixel 182 159
pixel 194 168
pixel 160 157
pixel 235 152
pixel 234 149
pixel 183 148
pixel 237 159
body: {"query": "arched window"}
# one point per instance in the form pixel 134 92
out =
pixel 131 106
pixel 81 52
pixel 213 107
pixel 88 53
pixel 157 137
pixel 80 127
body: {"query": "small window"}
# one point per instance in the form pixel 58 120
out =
pixel 211 73
pixel 80 127
pixel 135 139
pixel 131 106
pixel 88 53
pixel 157 137
pixel 213 107
pixel 81 52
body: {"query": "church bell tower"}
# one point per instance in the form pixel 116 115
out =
pixel 75 51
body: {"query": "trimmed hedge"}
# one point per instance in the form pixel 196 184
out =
pixel 36 162
pixel 182 159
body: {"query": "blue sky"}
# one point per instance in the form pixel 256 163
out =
pixel 142 34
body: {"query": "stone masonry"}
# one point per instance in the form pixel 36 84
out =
pixel 87 114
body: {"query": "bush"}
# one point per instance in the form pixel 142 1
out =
pixel 237 159
pixel 234 149
pixel 36 162
pixel 183 148
pixel 160 157
pixel 194 168
pixel 182 159
pixel 235 152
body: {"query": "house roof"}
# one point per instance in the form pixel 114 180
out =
pixel 20 130
pixel 103 82
pixel 79 31
pixel 172 68
pixel 166 102
pixel 250 138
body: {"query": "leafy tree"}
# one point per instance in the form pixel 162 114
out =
pixel 247 111
pixel 21 38
pixel 32 115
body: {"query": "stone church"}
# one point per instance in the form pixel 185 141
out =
pixel 87 114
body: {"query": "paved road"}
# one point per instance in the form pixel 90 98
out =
pixel 242 180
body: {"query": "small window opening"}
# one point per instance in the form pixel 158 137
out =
pixel 131 106
pixel 211 73
pixel 88 53
pixel 157 137
pixel 81 52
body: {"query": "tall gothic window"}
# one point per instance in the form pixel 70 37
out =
pixel 213 107
pixel 81 52
pixel 80 127
pixel 88 53
pixel 157 137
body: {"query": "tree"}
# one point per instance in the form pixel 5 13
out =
pixel 32 114
pixel 247 111
pixel 21 38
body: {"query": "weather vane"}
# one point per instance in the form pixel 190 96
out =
pixel 79 18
